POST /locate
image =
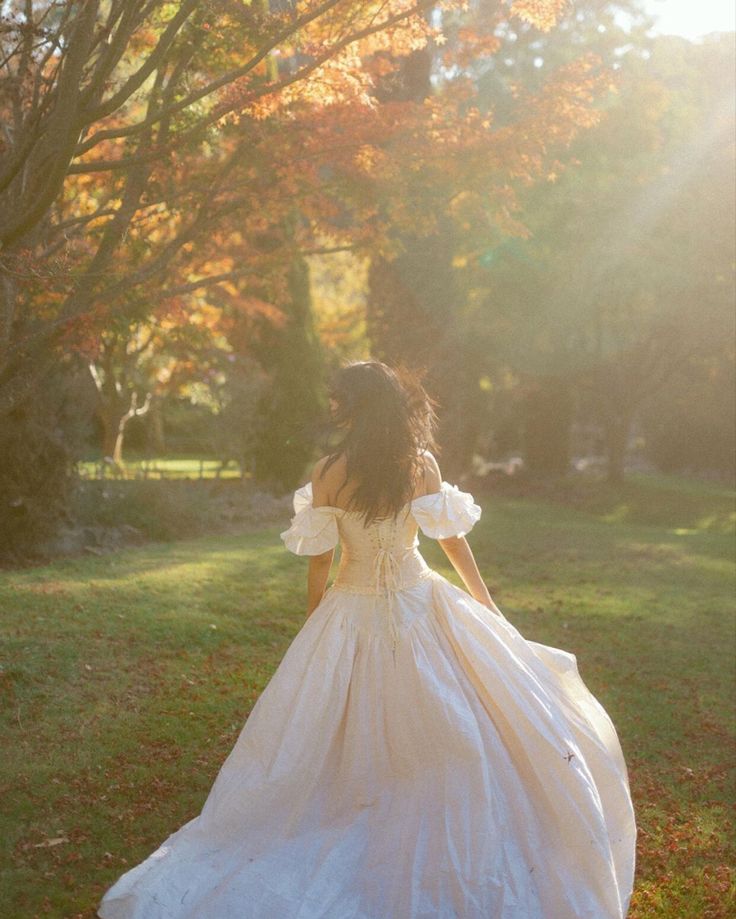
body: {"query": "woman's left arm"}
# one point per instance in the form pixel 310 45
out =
pixel 319 565
pixel 319 571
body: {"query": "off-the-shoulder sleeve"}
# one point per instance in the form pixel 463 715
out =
pixel 313 530
pixel 448 512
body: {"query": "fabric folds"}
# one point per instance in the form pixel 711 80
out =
pixel 449 512
pixel 413 756
pixel 313 530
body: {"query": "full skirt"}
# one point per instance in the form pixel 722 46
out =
pixel 469 774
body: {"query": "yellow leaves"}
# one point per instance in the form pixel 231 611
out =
pixel 349 73
pixel 472 45
pixel 540 13
pixel 229 288
pixel 101 220
pixel 164 373
pixel 367 157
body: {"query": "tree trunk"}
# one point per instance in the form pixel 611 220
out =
pixel 110 429
pixel 415 311
pixel 117 453
pixel 114 422
pixel 547 421
pixel 290 409
pixel 617 439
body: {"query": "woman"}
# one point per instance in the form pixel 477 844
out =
pixel 413 756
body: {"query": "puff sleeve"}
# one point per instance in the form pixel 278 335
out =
pixel 448 512
pixel 313 530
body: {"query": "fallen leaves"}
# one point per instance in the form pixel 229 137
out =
pixel 48 843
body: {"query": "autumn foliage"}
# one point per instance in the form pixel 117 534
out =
pixel 166 167
pixel 166 151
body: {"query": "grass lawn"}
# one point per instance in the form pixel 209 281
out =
pixel 126 679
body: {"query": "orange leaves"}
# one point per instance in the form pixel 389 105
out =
pixel 346 75
pixel 368 157
pixel 408 35
pixel 540 13
pixel 471 46
pixel 254 306
pixel 573 89
pixel 563 107
pixel 684 848
pixel 304 120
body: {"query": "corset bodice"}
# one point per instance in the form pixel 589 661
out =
pixel 380 557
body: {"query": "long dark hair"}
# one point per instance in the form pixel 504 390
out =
pixel 387 420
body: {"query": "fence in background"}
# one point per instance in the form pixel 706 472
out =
pixel 160 469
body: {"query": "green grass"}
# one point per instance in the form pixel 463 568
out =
pixel 127 678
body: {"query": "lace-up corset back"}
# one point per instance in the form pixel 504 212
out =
pixel 380 557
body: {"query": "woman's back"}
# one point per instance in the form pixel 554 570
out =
pixel 332 487
pixel 384 554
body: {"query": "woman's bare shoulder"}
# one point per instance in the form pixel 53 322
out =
pixel 327 479
pixel 432 477
pixel 335 468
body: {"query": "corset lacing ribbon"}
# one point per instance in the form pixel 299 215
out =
pixel 386 571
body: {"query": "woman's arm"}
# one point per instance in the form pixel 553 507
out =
pixel 319 565
pixel 461 556
pixel 456 548
pixel 319 571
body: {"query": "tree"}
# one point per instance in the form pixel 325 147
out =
pixel 627 273
pixel 150 158
pixel 294 399
pixel 138 93
pixel 490 144
pixel 132 131
pixel 522 285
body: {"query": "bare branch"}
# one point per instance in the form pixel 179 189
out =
pixel 52 154
pixel 265 90
pixel 152 63
pixel 225 80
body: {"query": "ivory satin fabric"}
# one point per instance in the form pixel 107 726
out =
pixel 412 757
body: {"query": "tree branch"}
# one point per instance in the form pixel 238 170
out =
pixel 225 80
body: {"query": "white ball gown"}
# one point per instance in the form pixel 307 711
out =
pixel 412 757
